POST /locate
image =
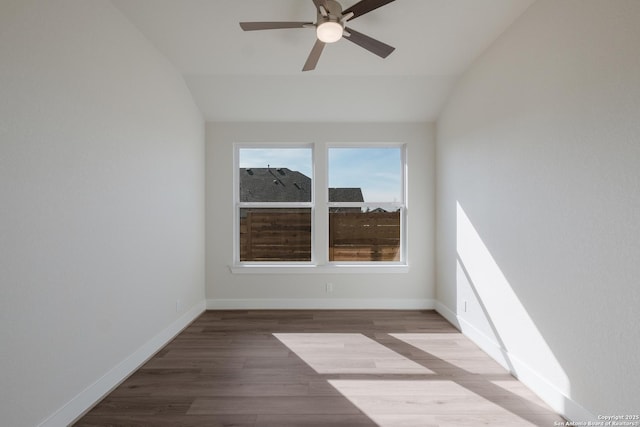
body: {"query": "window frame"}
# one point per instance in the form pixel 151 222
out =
pixel 319 206
pixel 239 205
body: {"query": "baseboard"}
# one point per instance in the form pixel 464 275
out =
pixel 85 400
pixel 448 314
pixel 320 304
pixel 548 392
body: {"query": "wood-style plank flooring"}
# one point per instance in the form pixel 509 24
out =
pixel 320 368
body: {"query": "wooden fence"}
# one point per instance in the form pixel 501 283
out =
pixel 275 235
pixel 364 236
pixel 285 235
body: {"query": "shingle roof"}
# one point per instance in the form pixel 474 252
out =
pixel 274 185
pixel 285 185
pixel 345 195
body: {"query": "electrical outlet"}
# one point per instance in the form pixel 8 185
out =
pixel 328 287
pixel 178 306
pixel 465 306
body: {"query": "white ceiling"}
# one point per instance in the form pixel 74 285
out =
pixel 255 76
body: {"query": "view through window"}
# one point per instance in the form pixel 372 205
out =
pixel 366 200
pixel 363 196
pixel 275 204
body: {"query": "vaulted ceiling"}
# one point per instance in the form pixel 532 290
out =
pixel 256 76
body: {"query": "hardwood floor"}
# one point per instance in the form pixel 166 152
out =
pixel 320 368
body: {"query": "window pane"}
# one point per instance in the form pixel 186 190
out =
pixel 364 234
pixel 365 174
pixel 275 234
pixel 275 174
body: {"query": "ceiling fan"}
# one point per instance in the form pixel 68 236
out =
pixel 330 27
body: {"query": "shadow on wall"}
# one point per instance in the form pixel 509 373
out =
pixel 498 315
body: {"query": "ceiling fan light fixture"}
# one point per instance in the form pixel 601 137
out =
pixel 331 27
pixel 329 32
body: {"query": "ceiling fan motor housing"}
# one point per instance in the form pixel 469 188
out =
pixel 330 24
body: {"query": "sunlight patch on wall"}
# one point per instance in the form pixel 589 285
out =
pixel 480 278
pixel 348 354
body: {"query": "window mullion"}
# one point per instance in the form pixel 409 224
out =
pixel 321 215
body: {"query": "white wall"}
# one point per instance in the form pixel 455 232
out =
pixel 538 154
pixel 102 203
pixel 401 290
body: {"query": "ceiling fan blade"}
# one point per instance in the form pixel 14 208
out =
pixel 314 56
pixel 253 26
pixel 365 6
pixel 372 45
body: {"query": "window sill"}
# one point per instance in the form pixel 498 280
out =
pixel 319 269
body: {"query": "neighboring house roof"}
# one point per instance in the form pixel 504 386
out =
pixel 345 195
pixel 274 185
pixel 285 185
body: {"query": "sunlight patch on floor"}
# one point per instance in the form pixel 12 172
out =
pixel 452 351
pixel 396 403
pixel 348 353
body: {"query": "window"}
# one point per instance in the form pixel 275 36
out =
pixel 366 204
pixel 360 192
pixel 274 201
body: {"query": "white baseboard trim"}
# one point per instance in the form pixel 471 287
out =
pixel 448 314
pixel 320 304
pixel 548 392
pixel 85 400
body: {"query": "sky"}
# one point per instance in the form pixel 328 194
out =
pixel 377 171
